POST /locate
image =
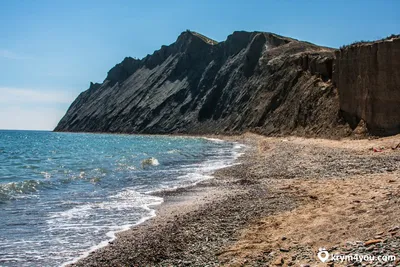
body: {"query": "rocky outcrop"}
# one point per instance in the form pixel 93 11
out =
pixel 254 81
pixel 367 76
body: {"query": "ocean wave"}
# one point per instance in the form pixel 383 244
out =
pixel 46 175
pixel 14 190
pixel 173 151
pixel 238 150
pixel 9 191
pixel 124 201
pixel 198 172
pixel 150 162
pixel 214 139
pixel 82 215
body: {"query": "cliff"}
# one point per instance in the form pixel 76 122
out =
pixel 367 76
pixel 255 81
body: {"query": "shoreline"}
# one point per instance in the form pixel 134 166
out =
pixel 114 234
pixel 189 197
pixel 153 208
pixel 228 220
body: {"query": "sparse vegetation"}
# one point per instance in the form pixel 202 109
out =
pixel 366 42
pixel 205 38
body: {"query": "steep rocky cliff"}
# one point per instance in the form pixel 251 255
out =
pixel 367 76
pixel 252 81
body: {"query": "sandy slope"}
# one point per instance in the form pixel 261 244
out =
pixel 358 200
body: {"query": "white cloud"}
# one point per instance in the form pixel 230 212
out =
pixel 4 53
pixel 19 95
pixel 20 118
pixel 29 109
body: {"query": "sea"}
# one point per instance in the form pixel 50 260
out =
pixel 63 195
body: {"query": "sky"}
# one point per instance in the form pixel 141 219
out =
pixel 51 50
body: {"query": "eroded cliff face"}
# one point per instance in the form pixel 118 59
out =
pixel 367 76
pixel 252 81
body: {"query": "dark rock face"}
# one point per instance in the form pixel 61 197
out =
pixel 252 81
pixel 367 76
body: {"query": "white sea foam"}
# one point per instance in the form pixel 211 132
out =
pixel 150 162
pixel 238 150
pixel 130 198
pixel 203 171
pixel 11 259
pixel 124 200
pixel 46 175
pixel 173 151
pixel 214 139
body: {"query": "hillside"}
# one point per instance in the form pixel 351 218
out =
pixel 367 75
pixel 254 81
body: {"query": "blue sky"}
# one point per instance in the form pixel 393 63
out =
pixel 51 50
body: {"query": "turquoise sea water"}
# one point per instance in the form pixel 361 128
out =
pixel 63 194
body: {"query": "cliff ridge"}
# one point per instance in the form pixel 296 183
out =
pixel 252 81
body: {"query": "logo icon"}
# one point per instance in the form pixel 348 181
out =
pixel 323 255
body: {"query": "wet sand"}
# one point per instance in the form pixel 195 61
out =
pixel 287 198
